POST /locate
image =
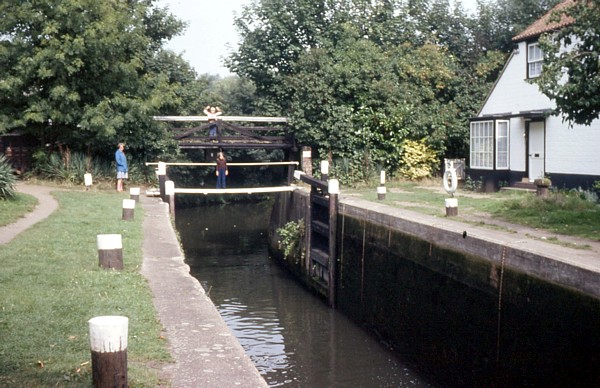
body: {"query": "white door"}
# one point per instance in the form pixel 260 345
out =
pixel 536 150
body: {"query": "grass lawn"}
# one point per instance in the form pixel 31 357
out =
pixel 51 285
pixel 12 209
pixel 561 212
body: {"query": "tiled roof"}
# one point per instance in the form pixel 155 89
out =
pixel 543 25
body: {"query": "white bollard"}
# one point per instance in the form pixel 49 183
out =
pixel 108 342
pixel 333 186
pixel 381 190
pixel 128 209
pixel 134 193
pixel 324 170
pixel 451 207
pixel 170 195
pixel 110 250
pixel 87 179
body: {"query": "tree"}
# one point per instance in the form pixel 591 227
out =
pixel 86 73
pixel 571 70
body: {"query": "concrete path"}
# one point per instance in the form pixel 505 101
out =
pixel 206 352
pixel 46 205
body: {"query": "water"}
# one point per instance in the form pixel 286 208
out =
pixel 293 338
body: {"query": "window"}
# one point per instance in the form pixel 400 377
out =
pixel 482 144
pixel 488 145
pixel 535 58
pixel 502 144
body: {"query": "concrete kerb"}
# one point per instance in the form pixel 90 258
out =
pixel 206 352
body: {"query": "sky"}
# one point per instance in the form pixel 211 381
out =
pixel 210 35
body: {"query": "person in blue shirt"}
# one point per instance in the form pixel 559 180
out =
pixel 121 166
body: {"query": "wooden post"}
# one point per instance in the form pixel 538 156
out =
pixel 170 195
pixel 110 251
pixel 451 207
pixel 134 193
pixel 324 170
pixel 334 190
pixel 87 179
pixel 162 177
pixel 128 209
pixel 307 160
pixel 108 342
pixel 381 190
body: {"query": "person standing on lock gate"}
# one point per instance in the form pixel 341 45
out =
pixel 212 112
pixel 222 171
pixel 122 169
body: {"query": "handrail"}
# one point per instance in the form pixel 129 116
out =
pixel 250 119
pixel 241 190
pixel 228 164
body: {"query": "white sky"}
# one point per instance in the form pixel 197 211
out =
pixel 210 35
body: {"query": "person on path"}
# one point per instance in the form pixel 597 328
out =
pixel 222 171
pixel 121 166
pixel 212 112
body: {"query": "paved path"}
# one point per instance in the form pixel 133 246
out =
pixel 206 352
pixel 46 205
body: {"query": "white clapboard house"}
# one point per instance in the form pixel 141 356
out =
pixel 514 139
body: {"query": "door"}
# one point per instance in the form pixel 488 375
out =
pixel 535 146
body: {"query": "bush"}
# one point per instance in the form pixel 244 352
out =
pixel 7 179
pixel 418 160
pixel 70 167
pixel 292 235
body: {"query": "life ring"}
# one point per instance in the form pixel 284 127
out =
pixel 450 175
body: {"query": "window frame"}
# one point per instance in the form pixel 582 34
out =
pixel 498 151
pixel 534 62
pixel 481 145
pixel 486 144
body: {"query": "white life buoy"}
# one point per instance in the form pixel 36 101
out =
pixel 450 181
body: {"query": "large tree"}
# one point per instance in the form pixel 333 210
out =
pixel 571 72
pixel 86 73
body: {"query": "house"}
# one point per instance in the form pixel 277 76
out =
pixel 514 138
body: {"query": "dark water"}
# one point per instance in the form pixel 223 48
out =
pixel 292 336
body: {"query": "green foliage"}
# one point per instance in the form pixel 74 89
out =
pixel 572 77
pixel 88 74
pixel 418 160
pixel 7 179
pixel 292 237
pixel 473 185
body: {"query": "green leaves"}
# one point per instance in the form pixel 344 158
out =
pixel 89 67
pixel 572 77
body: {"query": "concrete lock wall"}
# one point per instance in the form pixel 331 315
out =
pixel 466 311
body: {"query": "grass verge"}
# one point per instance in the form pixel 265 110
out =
pixel 13 209
pixel 51 285
pixel 562 212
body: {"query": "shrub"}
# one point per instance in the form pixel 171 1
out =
pixel 418 160
pixel 292 235
pixel 7 179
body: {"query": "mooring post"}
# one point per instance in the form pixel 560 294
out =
pixel 451 207
pixel 307 160
pixel 128 209
pixel 162 177
pixel 87 180
pixel 381 190
pixel 110 251
pixel 324 170
pixel 134 193
pixel 170 195
pixel 108 342
pixel 334 190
